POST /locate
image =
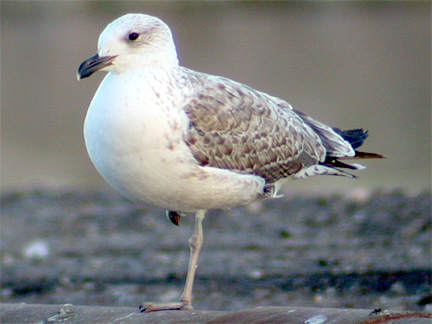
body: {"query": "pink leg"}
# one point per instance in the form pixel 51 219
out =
pixel 195 243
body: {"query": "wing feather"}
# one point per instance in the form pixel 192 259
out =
pixel 233 126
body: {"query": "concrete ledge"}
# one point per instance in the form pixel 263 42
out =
pixel 27 313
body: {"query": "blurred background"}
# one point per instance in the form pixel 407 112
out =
pixel 348 64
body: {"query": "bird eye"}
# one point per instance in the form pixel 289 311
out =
pixel 133 36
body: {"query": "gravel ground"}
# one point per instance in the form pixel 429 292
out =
pixel 96 248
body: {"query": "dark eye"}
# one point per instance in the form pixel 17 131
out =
pixel 133 36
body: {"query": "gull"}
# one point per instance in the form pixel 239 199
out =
pixel 186 141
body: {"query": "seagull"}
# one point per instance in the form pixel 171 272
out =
pixel 188 142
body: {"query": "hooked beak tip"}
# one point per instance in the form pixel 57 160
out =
pixel 93 64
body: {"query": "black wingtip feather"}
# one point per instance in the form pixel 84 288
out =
pixel 355 137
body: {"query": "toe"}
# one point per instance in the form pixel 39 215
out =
pixel 151 307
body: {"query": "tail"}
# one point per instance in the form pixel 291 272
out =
pixel 339 145
pixel 355 137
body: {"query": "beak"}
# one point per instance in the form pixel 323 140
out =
pixel 93 64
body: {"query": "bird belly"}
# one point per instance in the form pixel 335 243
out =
pixel 141 154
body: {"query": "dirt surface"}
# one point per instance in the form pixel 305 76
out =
pixel 97 248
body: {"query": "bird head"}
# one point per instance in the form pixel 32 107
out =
pixel 131 42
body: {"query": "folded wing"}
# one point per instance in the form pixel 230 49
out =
pixel 235 127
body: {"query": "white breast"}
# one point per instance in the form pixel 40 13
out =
pixel 135 141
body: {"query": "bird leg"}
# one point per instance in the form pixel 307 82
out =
pixel 195 243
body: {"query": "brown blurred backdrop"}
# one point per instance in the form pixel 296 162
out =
pixel 348 64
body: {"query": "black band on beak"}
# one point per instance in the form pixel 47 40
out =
pixel 93 64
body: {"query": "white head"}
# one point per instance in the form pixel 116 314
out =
pixel 131 42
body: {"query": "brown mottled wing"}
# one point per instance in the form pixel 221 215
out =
pixel 235 127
